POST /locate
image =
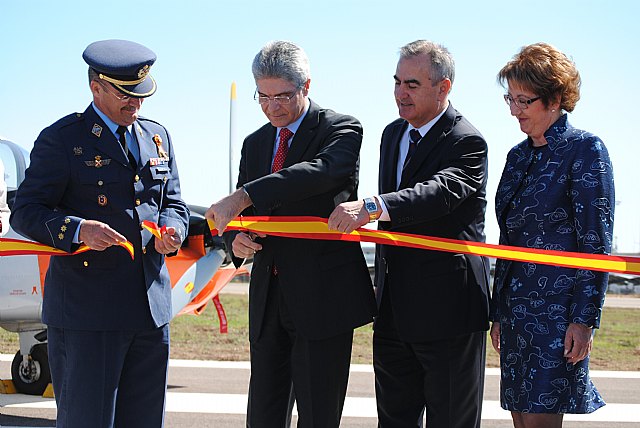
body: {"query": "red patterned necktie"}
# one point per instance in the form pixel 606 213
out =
pixel 283 149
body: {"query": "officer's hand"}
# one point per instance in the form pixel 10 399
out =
pixel 348 216
pixel 244 245
pixel 169 243
pixel 228 208
pixel 98 236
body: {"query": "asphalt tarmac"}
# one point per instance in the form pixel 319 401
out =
pixel 213 394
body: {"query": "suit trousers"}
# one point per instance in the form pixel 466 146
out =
pixel 285 364
pixel 444 377
pixel 105 379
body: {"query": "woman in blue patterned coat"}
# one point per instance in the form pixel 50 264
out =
pixel 556 193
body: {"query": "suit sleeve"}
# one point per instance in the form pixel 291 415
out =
pixel 593 200
pixel 39 210
pixel 334 163
pixel 462 174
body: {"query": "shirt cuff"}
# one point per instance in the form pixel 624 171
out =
pixel 76 240
pixel 385 212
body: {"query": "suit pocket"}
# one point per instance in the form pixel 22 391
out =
pixel 160 172
pixel 445 266
pixel 92 261
pixel 99 177
pixel 344 256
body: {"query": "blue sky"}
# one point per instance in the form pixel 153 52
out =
pixel 203 46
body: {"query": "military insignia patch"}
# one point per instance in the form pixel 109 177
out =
pixel 98 162
pixel 77 151
pixel 96 130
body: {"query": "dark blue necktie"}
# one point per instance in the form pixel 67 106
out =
pixel 414 138
pixel 121 131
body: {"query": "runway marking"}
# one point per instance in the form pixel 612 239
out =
pixel 355 368
pixel 356 407
pixel 367 368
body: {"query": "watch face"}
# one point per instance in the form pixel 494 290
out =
pixel 370 206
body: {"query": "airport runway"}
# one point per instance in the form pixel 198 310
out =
pixel 213 394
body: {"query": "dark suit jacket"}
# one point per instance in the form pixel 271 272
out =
pixel 442 193
pixel 326 284
pixel 101 290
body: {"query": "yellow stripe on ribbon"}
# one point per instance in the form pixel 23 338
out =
pixel 18 247
pixel 152 227
pixel 316 228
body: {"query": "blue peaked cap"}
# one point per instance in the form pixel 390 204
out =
pixel 124 64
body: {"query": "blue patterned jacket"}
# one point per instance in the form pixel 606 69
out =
pixel 556 197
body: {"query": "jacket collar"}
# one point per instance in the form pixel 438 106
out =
pixel 299 144
pixel 430 141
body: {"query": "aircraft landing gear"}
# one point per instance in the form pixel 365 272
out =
pixel 31 375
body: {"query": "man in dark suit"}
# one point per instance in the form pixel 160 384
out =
pixel 94 177
pixel 305 296
pixel 429 337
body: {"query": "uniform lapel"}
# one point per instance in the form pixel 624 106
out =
pixel 105 140
pixel 146 145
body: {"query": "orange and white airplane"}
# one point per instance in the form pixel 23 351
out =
pixel 198 272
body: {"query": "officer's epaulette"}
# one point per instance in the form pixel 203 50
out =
pixel 68 120
pixel 146 119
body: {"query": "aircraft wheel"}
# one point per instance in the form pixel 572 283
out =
pixel 33 376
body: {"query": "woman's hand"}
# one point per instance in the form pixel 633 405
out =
pixel 495 336
pixel 577 342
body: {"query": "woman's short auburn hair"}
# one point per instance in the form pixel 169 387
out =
pixel 545 71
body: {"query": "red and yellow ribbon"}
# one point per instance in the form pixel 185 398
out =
pixel 18 247
pixel 316 228
pixel 152 227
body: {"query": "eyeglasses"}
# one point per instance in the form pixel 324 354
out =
pixel 119 96
pixel 521 103
pixel 278 99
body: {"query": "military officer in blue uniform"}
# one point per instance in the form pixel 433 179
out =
pixel 93 178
